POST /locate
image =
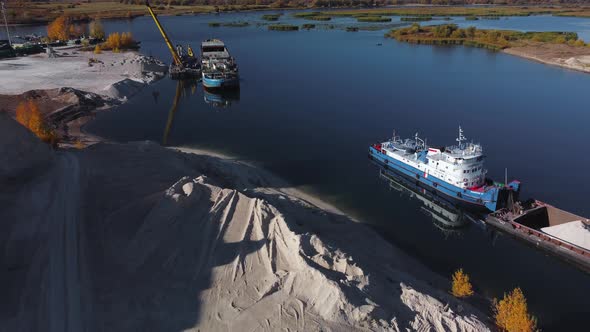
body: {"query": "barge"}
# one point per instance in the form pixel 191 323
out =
pixel 454 171
pixel 547 227
pixel 219 69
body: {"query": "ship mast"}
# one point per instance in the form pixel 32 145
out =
pixel 461 138
pixel 6 23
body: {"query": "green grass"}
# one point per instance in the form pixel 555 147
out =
pixel 471 18
pixel 373 19
pixel 416 18
pixel 236 24
pixel 307 14
pixel 283 27
pixel 271 17
pixel 585 12
pixel 318 18
pixel 451 11
pixel 229 24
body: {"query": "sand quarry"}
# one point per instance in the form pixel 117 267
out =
pixel 110 74
pixel 128 237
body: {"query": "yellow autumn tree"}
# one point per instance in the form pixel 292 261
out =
pixel 97 49
pixel 59 29
pixel 28 115
pixel 36 124
pixel 511 313
pixel 461 286
pixel 22 114
pixel 114 40
pixel 126 40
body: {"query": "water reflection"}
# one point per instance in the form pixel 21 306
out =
pixel 444 214
pixel 182 87
pixel 221 98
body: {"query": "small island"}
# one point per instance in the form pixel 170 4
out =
pixel 563 49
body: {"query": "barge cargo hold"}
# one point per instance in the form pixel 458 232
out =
pixel 556 231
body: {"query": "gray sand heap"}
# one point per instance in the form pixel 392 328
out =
pixel 135 236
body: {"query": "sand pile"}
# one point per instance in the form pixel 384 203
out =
pixel 85 71
pixel 134 236
pixel 575 232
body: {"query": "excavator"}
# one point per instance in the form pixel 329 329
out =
pixel 183 65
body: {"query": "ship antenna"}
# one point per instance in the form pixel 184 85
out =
pixel 506 176
pixel 6 23
pixel 461 138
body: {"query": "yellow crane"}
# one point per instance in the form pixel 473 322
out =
pixel 175 57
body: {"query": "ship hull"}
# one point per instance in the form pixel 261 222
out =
pixel 483 201
pixel 220 83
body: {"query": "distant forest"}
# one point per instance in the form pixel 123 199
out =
pixel 356 3
pixel 327 3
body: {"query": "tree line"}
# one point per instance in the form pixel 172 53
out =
pixel 350 3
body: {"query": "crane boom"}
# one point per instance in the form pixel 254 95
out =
pixel 175 56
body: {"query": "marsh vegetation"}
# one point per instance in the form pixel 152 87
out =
pixel 451 34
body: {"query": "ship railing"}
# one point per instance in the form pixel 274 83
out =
pixel 506 216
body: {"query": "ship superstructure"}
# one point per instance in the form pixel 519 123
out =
pixel 457 171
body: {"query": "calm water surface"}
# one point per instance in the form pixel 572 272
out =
pixel 312 101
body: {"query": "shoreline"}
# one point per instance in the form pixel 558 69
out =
pixel 561 49
pixel 575 63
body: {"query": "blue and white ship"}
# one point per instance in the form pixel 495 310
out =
pixel 218 69
pixel 456 171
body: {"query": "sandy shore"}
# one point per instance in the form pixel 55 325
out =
pixel 565 56
pixel 139 237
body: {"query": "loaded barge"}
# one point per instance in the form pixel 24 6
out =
pixel 546 227
pixel 456 174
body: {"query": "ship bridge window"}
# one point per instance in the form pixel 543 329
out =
pixel 213 48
